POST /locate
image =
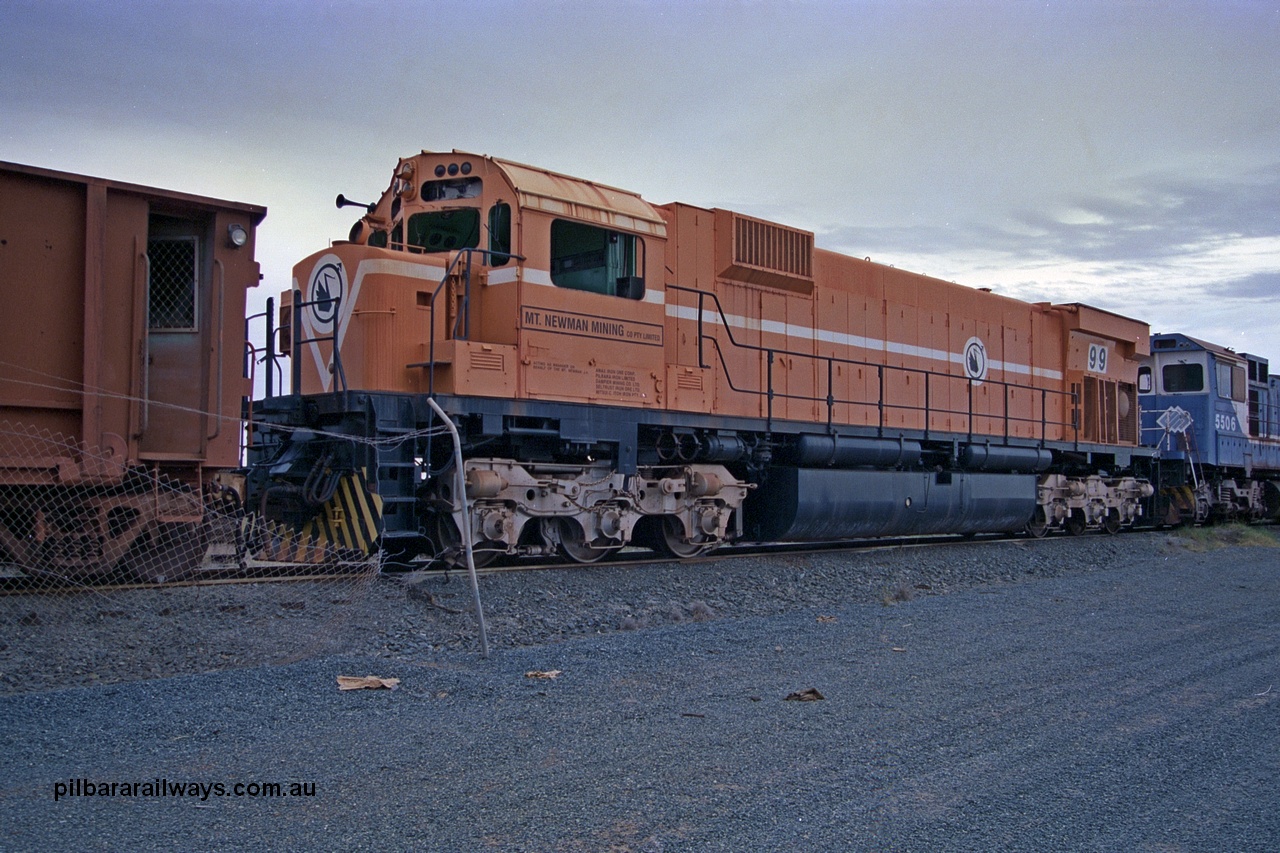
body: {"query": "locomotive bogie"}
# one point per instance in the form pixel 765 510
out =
pixel 1077 504
pixel 588 510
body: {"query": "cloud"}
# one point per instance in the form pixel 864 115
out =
pixel 1123 154
pixel 1258 287
pixel 1184 252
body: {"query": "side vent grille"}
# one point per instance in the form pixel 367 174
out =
pixel 689 381
pixel 486 360
pixel 765 253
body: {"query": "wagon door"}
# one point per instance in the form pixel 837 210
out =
pixel 173 421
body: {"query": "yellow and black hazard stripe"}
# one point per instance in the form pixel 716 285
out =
pixel 1180 503
pixel 350 521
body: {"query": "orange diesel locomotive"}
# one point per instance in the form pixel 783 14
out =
pixel 621 372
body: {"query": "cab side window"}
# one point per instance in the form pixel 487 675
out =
pixel 499 234
pixel 598 260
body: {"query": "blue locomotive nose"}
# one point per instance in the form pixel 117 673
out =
pixel 1211 417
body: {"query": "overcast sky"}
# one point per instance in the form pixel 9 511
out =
pixel 1123 154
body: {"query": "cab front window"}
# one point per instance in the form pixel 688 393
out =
pixel 444 230
pixel 1182 378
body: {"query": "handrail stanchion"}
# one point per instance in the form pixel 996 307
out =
pixel 271 346
pixel 295 349
pixel 831 393
pixel 880 402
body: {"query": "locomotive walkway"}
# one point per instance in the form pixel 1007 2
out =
pixel 1129 709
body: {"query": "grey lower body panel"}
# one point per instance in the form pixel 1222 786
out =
pixel 813 504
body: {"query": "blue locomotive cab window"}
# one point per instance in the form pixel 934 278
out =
pixel 499 234
pixel 444 230
pixel 598 260
pixel 1182 378
pixel 1144 380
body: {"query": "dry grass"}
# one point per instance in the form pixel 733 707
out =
pixel 899 594
pixel 1227 535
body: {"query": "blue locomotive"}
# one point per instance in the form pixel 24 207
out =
pixel 1213 418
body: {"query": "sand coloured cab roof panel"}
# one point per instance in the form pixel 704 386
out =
pixel 552 192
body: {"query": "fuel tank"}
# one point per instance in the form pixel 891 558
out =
pixel 812 504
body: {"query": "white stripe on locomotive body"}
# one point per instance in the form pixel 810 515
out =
pixel 505 275
pixel 377 266
pixel 533 276
pixel 681 312
pixel 430 272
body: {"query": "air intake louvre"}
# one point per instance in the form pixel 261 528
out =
pixel 759 252
pixel 772 247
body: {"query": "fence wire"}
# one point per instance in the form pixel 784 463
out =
pixel 110 572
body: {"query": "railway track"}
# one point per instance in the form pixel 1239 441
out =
pixel 13 581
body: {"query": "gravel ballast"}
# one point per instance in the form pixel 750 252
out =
pixel 97 637
pixel 1103 693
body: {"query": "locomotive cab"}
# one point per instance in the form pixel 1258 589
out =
pixel 492 286
pixel 468 267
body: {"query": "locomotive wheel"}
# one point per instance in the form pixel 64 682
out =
pixel 1111 523
pixel 1076 523
pixel 573 543
pixel 450 542
pixel 171 553
pixel 671 541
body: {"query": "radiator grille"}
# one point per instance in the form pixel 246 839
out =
pixel 1110 412
pixel 758 252
pixel 772 247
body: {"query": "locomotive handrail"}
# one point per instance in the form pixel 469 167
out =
pixel 464 315
pixel 222 319
pixel 879 403
pixel 339 374
pixel 770 393
pixel 251 361
pixel 144 419
pixel 270 356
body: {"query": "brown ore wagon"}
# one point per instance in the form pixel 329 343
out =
pixel 121 371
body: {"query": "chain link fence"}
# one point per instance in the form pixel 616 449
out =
pixel 110 573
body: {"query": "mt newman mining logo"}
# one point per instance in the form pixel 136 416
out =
pixel 158 788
